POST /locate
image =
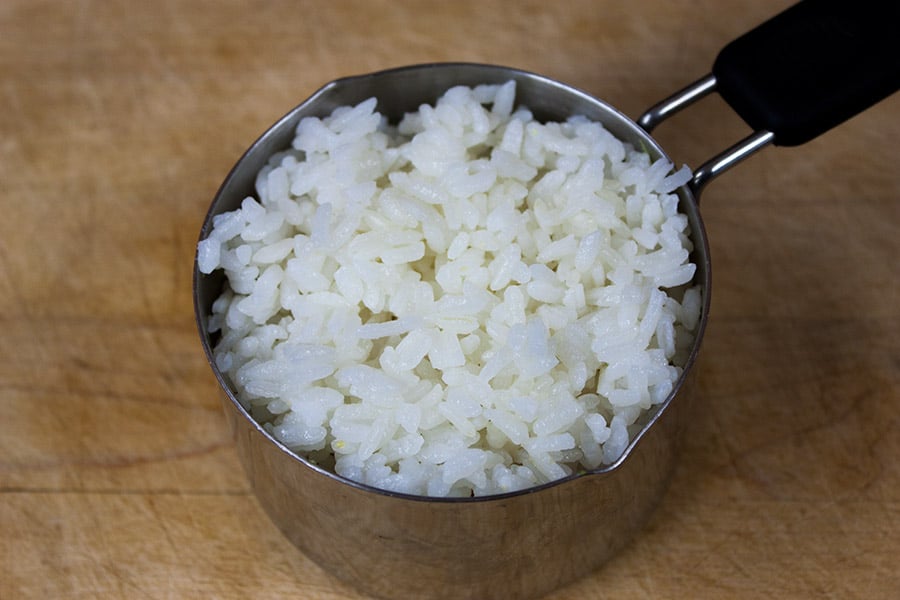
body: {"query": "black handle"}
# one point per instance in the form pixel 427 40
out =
pixel 812 67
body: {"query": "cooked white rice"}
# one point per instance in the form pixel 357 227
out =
pixel 467 303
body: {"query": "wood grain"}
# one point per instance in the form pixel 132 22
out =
pixel 119 120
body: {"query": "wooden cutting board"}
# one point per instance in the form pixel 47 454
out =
pixel 119 119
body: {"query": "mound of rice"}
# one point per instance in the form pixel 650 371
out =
pixel 466 303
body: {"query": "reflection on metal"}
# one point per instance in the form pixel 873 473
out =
pixel 676 102
pixel 727 159
pixel 719 163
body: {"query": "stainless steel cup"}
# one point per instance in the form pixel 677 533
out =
pixel 515 545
